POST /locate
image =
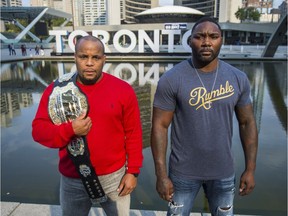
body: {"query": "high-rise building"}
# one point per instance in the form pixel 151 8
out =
pixel 4 3
pixel 223 10
pixel 264 6
pixel 88 12
pixel 227 10
pixel 94 12
pixel 77 12
pixel 113 11
pixel 42 3
pixel 11 3
pixel 63 5
pixel 134 7
pixel 101 12
pixel 208 7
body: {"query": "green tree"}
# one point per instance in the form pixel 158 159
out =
pixel 12 28
pixel 240 14
pixel 249 14
pixel 253 14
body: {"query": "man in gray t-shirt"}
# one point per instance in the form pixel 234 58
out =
pixel 198 97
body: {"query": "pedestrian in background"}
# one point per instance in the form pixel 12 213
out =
pixel 23 50
pixel 198 97
pixel 37 49
pixel 13 51
pixel 10 49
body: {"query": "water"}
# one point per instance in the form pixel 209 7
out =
pixel 29 170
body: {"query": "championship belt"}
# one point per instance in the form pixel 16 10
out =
pixel 66 103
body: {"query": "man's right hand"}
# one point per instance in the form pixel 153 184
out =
pixel 82 125
pixel 165 188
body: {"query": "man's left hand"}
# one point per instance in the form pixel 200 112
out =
pixel 127 184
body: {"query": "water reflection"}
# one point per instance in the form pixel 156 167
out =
pixel 22 84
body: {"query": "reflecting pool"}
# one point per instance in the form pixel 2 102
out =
pixel 29 171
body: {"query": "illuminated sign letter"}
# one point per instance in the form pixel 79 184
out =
pixel 73 35
pixel 104 36
pixel 116 41
pixel 185 41
pixel 58 39
pixel 143 36
pixel 170 34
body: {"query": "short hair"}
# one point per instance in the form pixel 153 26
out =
pixel 206 19
pixel 89 38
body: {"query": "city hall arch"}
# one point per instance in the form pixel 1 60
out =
pixel 34 15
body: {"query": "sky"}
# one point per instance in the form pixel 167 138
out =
pixel 276 3
pixel 165 2
pixel 25 2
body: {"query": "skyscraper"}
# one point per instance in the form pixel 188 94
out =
pixel 134 7
pixel 113 10
pixel 42 3
pixel 223 10
pixel 11 3
pixel 94 12
pixel 209 7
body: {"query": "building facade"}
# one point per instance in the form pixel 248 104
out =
pixel 134 7
pixel 94 12
pixel 227 10
pixel 11 3
pixel 209 7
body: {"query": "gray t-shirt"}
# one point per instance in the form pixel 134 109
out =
pixel 201 132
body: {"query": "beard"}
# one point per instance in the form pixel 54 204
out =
pixel 205 59
pixel 85 81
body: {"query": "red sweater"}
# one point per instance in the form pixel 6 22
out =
pixel 115 138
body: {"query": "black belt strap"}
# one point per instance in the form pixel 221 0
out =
pixel 66 103
pixel 85 169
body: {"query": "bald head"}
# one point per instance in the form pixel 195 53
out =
pixel 89 38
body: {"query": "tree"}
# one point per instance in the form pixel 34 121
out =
pixel 240 14
pixel 250 14
pixel 253 14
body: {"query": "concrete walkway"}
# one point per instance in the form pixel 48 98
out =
pixel 21 209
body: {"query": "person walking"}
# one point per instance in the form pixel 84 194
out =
pixel 23 50
pixel 37 49
pixel 13 51
pixel 10 49
pixel 93 118
pixel 198 97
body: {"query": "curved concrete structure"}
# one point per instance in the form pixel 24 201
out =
pixel 276 39
pixel 169 14
pixel 171 9
pixel 134 7
pixel 33 13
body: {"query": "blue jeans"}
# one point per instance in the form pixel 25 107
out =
pixel 220 195
pixel 75 201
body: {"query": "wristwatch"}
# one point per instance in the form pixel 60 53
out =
pixel 135 174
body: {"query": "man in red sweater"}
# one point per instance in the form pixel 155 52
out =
pixel 94 120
